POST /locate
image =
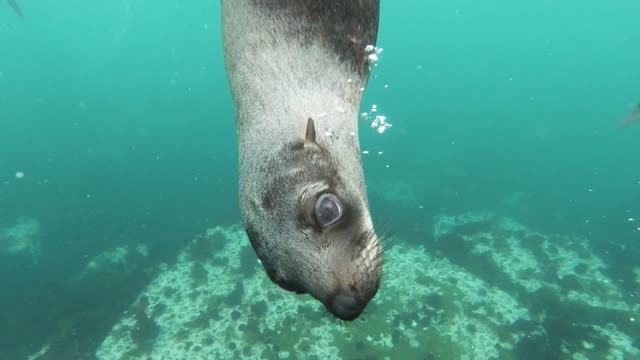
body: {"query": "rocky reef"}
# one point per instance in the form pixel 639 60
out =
pixel 22 239
pixel 571 297
pixel 482 287
pixel 122 260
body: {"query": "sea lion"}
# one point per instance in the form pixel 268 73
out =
pixel 297 69
pixel 631 118
pixel 16 8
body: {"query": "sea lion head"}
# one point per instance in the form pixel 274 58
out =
pixel 312 230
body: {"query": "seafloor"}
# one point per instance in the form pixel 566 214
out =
pixel 482 287
pixel 486 288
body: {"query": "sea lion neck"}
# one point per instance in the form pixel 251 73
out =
pixel 343 27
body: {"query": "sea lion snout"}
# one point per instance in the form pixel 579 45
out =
pixel 345 306
pixel 356 277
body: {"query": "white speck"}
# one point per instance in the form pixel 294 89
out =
pixel 380 152
pixel 364 115
pixel 590 190
pixel 632 319
pixel 366 152
pixel 328 133
pixel 379 51
pixel 373 58
pixel 420 206
pixel 386 86
pixel 587 345
pixel 352 133
pixel 631 219
pixel 361 89
pixel 386 165
pixel 19 175
pixel 341 110
pixel 349 80
pixel 369 48
pixel 322 115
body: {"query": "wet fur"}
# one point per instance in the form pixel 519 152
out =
pixel 288 61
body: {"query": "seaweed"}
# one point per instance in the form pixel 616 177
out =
pixel 199 274
pixel 202 248
pixel 146 330
pixel 247 261
pixel 235 296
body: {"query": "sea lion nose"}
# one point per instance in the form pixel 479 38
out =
pixel 345 307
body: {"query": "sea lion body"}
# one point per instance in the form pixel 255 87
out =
pixel 297 70
pixel 632 118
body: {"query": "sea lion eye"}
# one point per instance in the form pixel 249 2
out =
pixel 328 210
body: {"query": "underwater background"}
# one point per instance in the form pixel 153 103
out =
pixel 511 192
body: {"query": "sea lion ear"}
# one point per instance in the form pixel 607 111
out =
pixel 310 134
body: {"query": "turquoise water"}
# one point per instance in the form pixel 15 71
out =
pixel 117 129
